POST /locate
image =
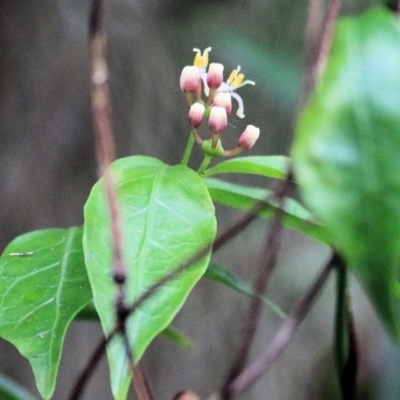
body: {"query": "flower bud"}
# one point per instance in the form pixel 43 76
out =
pixel 215 75
pixel 249 137
pixel 196 114
pixel 218 120
pixel 189 80
pixel 223 100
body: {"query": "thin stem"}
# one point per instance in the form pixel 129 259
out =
pixel 319 34
pixel 188 149
pixel 77 390
pixel 327 36
pixel 104 138
pixel 140 384
pixel 282 336
pixel 260 284
pixel 341 345
pixel 345 338
pixel 204 164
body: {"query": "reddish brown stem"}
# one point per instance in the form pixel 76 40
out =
pixel 260 284
pixel 281 339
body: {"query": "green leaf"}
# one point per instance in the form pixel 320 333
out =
pixel 43 285
pixel 269 166
pixel 221 274
pixel 10 390
pixel 175 335
pixel 167 216
pixel 295 216
pixel 346 153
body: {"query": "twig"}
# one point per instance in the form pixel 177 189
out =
pixel 312 45
pixel 317 50
pixel 281 338
pixel 105 151
pixel 77 390
pixel 140 383
pixel 104 141
pixel 327 36
pixel 260 284
pixel 345 337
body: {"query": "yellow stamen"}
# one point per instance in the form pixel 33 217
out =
pixel 201 60
pixel 232 76
pixel 237 82
pixel 235 79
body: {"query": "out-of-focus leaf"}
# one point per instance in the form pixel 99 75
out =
pixel 10 390
pixel 167 217
pixel 43 285
pixel 295 216
pixel 347 153
pixel 221 274
pixel 174 334
pixel 269 166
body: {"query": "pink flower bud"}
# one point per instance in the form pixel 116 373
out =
pixel 189 79
pixel 249 137
pixel 196 114
pixel 223 100
pixel 218 120
pixel 215 75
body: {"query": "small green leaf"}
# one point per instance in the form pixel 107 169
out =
pixel 269 166
pixel 167 216
pixel 221 274
pixel 175 335
pixel 10 390
pixel 346 153
pixel 43 285
pixel 295 216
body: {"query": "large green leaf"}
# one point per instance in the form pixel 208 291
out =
pixel 347 152
pixel 167 216
pixel 269 166
pixel 43 285
pixel 294 216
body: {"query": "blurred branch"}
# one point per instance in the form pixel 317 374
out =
pixel 345 337
pixel 281 339
pixel 260 285
pixel 105 153
pixel 85 375
pixel 319 35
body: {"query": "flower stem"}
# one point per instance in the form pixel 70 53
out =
pixel 188 150
pixel 204 164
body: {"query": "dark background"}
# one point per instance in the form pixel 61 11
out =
pixel 48 167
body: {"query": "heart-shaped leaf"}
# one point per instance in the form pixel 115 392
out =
pixel 43 285
pixel 167 216
pixel 347 152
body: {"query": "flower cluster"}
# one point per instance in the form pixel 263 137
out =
pixel 217 106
